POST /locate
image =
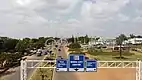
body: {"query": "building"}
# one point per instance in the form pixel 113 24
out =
pixel 110 42
pixel 106 42
pixel 133 41
pixel 96 42
pixel 85 46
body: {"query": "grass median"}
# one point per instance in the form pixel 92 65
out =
pixel 110 55
pixel 44 73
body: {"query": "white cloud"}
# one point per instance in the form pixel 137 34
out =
pixel 122 17
pixel 138 19
pixel 45 17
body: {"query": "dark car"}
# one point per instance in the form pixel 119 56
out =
pixel 48 58
pixel 59 49
pixel 56 46
pixel 86 57
pixel 60 57
pixel 50 51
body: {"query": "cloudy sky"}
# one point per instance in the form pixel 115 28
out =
pixel 34 18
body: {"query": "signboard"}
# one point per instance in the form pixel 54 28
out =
pixel 61 65
pixel 91 65
pixel 76 62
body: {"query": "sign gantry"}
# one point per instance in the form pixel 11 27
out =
pixel 75 60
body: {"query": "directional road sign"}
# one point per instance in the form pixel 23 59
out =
pixel 76 62
pixel 91 65
pixel 61 65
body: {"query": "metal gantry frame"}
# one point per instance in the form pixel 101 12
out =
pixel 24 66
pixel 100 64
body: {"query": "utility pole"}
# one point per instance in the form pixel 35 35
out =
pixel 74 39
pixel 77 37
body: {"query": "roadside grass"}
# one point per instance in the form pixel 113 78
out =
pixel 109 56
pixel 136 46
pixel 44 73
pixel 75 49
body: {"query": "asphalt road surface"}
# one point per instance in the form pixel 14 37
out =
pixel 101 74
pixel 16 75
pixel 64 75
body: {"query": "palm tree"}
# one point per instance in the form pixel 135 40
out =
pixel 119 41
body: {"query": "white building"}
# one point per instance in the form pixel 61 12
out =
pixel 107 42
pixel 96 42
pixel 110 42
pixel 133 41
pixel 85 46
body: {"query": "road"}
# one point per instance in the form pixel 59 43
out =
pixel 16 74
pixel 101 74
pixel 64 75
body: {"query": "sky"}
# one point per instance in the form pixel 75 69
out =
pixel 63 18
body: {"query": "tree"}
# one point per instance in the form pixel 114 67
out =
pixel 72 39
pixel 81 39
pixel 139 36
pixel 21 46
pixel 10 44
pixel 7 44
pixel 40 42
pixel 56 38
pixel 119 41
pixel 86 39
pixel 34 40
pixel 9 60
pixel 1 45
pixel 74 45
pixel 132 36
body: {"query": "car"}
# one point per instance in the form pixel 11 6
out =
pixel 59 49
pixel 50 51
pixel 48 58
pixel 60 57
pixel 86 57
pixel 56 46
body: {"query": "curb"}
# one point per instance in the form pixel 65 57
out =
pixel 55 69
pixel 53 74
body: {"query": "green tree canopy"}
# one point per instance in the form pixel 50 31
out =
pixel 120 39
pixel 74 45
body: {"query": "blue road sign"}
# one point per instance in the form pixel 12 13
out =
pixel 91 65
pixel 61 65
pixel 76 62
